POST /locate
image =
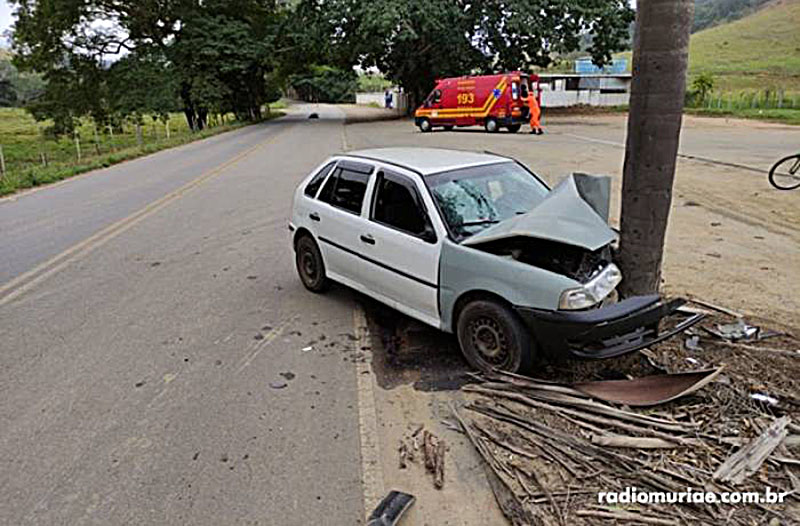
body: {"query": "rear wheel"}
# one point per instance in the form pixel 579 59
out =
pixel 492 336
pixel 424 125
pixel 514 128
pixel 449 127
pixel 785 174
pixel 490 125
pixel 310 267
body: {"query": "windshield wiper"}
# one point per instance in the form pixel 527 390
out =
pixel 481 222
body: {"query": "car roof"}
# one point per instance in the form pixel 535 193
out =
pixel 427 161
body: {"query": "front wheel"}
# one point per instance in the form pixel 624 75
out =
pixel 785 174
pixel 492 336
pixel 310 267
pixel 490 125
pixel 424 125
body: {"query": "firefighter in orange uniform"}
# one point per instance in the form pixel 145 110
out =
pixel 534 112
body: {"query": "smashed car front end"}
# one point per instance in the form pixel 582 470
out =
pixel 605 332
pixel 567 295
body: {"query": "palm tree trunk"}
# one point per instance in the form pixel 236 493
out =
pixel 660 56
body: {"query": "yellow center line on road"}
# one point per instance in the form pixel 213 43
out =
pixel 24 282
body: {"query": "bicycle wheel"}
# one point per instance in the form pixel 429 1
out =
pixel 785 174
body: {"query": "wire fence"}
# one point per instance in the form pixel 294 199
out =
pixel 744 100
pixel 30 156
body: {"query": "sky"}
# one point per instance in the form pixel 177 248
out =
pixel 5 21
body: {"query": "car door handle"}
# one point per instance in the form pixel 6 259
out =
pixel 368 239
pixel 314 216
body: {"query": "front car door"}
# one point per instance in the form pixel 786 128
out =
pixel 402 257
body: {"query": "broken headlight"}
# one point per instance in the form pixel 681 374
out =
pixel 592 292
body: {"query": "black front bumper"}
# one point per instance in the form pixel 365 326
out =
pixel 623 327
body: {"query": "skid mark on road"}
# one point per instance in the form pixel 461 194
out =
pixel 24 282
pixel 371 470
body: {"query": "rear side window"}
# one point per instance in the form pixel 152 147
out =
pixel 345 189
pixel 313 186
pixel 397 204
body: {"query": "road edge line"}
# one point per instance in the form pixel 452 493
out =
pixel 371 467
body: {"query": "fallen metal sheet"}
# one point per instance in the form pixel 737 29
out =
pixel 391 509
pixel 649 390
pixel 562 216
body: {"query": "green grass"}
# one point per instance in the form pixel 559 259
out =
pixel 785 116
pixel 33 160
pixel 759 51
pixel 756 53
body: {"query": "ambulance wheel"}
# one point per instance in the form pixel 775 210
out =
pixel 449 127
pixel 424 125
pixel 514 128
pixel 491 125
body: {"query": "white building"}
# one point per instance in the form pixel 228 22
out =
pixel 592 89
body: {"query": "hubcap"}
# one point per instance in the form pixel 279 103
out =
pixel 488 339
pixel 309 265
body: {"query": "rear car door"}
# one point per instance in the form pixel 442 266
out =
pixel 401 252
pixel 338 219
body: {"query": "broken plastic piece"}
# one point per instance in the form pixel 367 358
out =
pixel 738 330
pixel 391 509
pixel 649 390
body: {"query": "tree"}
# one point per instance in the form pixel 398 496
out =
pixel 216 52
pixel 702 85
pixel 660 58
pixel 413 42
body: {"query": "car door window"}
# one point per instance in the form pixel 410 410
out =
pixel 346 187
pixel 397 204
pixel 313 186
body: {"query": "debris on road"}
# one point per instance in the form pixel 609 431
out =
pixel 278 385
pixel 749 459
pixel 432 449
pixel 650 390
pixel 663 421
pixel 391 509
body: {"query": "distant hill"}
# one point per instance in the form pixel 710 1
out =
pixel 759 51
pixel 709 13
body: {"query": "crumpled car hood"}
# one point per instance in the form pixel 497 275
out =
pixel 562 216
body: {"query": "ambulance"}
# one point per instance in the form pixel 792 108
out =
pixel 491 101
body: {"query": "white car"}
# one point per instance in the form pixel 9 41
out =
pixel 476 244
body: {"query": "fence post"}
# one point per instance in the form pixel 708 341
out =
pixel 96 141
pixel 780 99
pixel 139 134
pixel 78 146
pixel 166 125
pixel 2 162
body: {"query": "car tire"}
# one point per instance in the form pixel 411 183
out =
pixel 491 125
pixel 514 128
pixel 310 266
pixel 424 125
pixel 492 336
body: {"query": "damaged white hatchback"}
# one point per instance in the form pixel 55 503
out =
pixel 478 245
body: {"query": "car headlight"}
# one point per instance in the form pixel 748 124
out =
pixel 592 292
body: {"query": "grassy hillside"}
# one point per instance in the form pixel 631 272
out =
pixel 759 51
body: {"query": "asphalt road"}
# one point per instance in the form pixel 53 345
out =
pixel 151 336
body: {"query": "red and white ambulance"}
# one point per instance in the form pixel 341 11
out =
pixel 491 101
